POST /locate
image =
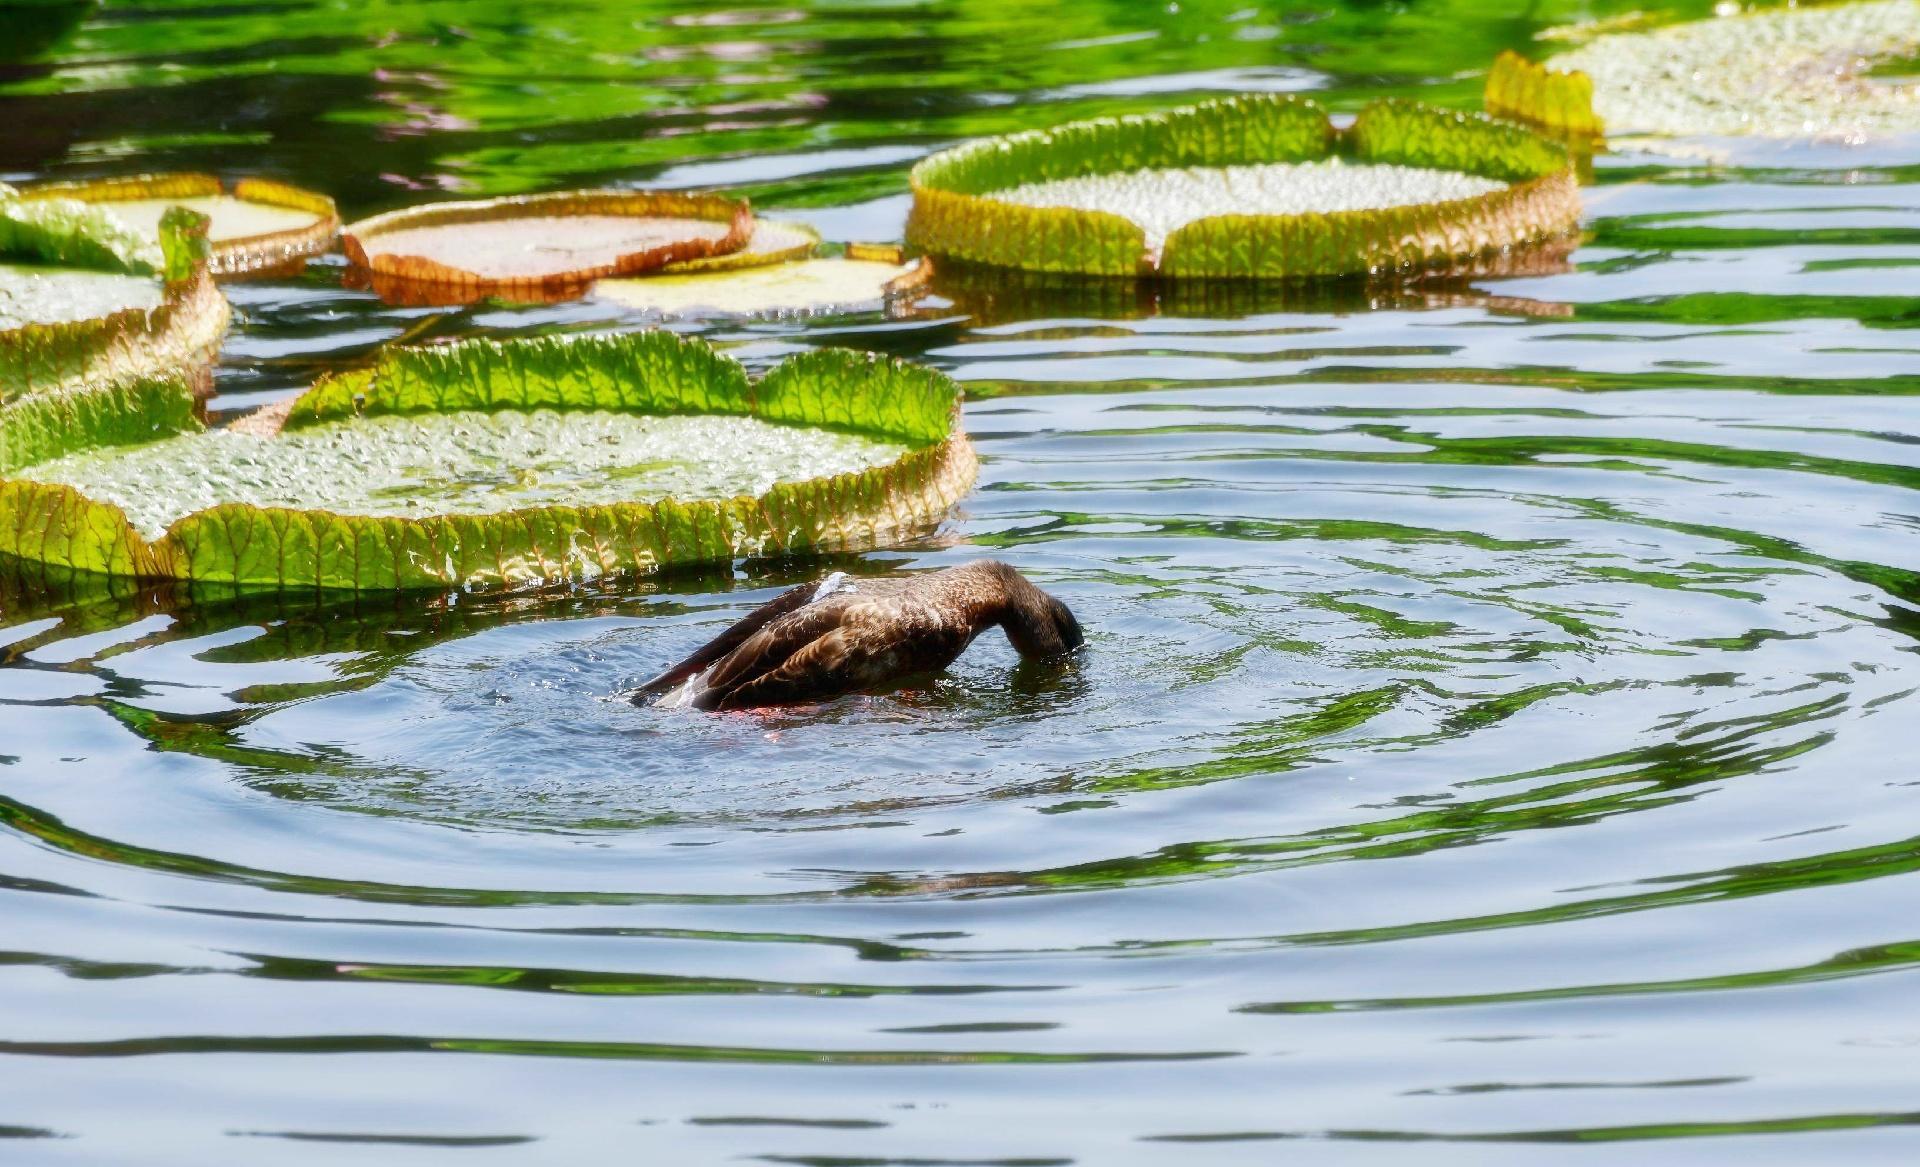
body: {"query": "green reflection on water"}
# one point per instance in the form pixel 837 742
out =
pixel 480 96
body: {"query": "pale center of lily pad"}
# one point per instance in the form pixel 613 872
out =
pixel 1163 201
pixel 460 463
pixel 536 247
pixel 1780 73
pixel 812 285
pixel 231 218
pixel 58 295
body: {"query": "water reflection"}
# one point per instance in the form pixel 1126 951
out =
pixel 1492 740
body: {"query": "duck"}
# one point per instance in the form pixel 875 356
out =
pixel 840 635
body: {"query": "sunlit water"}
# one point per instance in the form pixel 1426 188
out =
pixel 1492 744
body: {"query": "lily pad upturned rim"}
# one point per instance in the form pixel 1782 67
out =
pixel 181 336
pixel 738 289
pixel 735 213
pixel 648 372
pixel 953 214
pixel 1555 101
pixel 800 243
pixel 252 253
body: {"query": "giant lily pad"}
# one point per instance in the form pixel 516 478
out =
pixel 1782 73
pixel 64 326
pixel 257 226
pixel 489 464
pixel 541 246
pixel 1240 188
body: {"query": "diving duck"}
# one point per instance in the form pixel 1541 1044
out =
pixel 843 635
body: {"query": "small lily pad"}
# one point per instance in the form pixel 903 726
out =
pixel 812 285
pixel 540 246
pixel 259 225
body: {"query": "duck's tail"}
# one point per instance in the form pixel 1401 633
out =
pixel 688 670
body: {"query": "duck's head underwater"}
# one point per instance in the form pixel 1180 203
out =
pixel 842 635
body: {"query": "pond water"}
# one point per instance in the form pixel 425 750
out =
pixel 1490 747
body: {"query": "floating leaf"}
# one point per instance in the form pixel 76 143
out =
pixel 542 246
pixel 491 520
pixel 1794 72
pixel 69 233
pixel 260 225
pixel 40 294
pixel 171 327
pixel 813 285
pixel 1164 200
pixel 1557 101
pixel 771 242
pixel 967 200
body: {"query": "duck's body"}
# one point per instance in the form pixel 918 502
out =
pixel 842 635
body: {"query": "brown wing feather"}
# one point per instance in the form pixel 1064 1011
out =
pixel 851 656
pixel 769 648
pixel 791 600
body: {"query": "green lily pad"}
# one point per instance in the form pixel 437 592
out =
pixel 488 464
pixel 39 294
pixel 65 328
pixel 259 225
pixel 833 284
pixel 68 232
pixel 1781 73
pixel 1252 187
pixel 467 462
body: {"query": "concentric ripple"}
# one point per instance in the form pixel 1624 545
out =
pixel 1491 745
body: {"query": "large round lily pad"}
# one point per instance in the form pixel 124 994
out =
pixel 1256 186
pixel 1781 73
pixel 489 464
pixel 541 246
pixel 81 304
pixel 258 225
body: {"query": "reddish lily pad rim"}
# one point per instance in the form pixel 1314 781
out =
pixel 460 284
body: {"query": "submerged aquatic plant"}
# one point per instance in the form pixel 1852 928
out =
pixel 891 464
pixel 971 202
pixel 257 225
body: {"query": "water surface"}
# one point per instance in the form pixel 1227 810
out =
pixel 1492 745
